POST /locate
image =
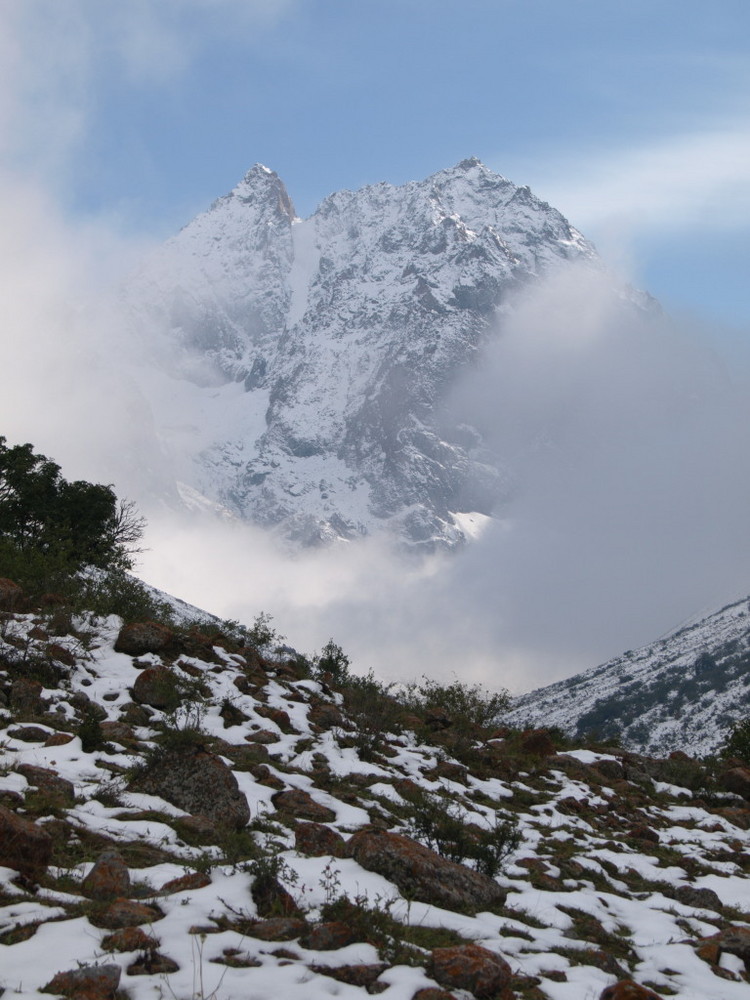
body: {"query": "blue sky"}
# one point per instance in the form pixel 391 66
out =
pixel 632 118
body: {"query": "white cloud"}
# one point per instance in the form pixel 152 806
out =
pixel 695 179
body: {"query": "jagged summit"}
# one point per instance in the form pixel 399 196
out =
pixel 335 340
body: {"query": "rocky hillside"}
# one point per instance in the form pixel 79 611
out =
pixel 187 813
pixel 682 692
pixel 298 366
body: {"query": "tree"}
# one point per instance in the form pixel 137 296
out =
pixel 82 522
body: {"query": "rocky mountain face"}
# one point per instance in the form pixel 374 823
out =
pixel 320 350
pixel 184 813
pixel 684 691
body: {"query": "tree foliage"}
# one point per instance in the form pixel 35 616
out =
pixel 79 522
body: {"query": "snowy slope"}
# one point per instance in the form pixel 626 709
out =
pixel 312 355
pixel 613 877
pixel 683 691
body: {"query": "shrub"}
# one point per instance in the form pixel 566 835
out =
pixel 334 661
pixel 373 710
pixel 737 743
pixel 469 706
pixel 440 823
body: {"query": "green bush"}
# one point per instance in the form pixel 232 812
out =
pixel 334 661
pixel 469 706
pixel 373 710
pixel 737 743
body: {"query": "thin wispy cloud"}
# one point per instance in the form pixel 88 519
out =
pixel 697 178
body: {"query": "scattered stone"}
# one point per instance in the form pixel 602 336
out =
pixel 471 967
pixel 130 939
pixel 263 736
pixel 198 782
pixel 29 734
pixel 153 964
pixel 108 879
pixel 626 989
pixel 328 936
pixel 355 975
pixel 24 846
pixel 191 882
pixel 317 840
pixel 299 803
pixel 736 780
pixel 691 895
pixel 157 687
pixel 143 637
pixel 58 739
pixel 90 982
pixel 278 929
pixel 48 781
pixel 26 697
pixel 125 913
pixel 423 874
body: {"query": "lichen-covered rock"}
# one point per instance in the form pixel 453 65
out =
pixel 423 874
pixel 737 780
pixel 191 882
pixel 126 913
pixel 471 967
pixel 157 687
pixel 316 840
pixel 24 846
pixel 301 804
pixel 198 782
pixel 48 781
pixel 626 989
pixel 26 696
pixel 90 982
pixel 692 895
pixel 735 941
pixel 143 637
pixel 130 939
pixel 278 929
pixel 108 879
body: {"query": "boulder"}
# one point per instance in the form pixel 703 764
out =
pixel 130 939
pixel 422 874
pixel 10 594
pixel 26 696
pixel 24 846
pixel 691 895
pixel 298 803
pixel 278 929
pixel 48 781
pixel 328 936
pixel 737 780
pixel 90 982
pixel 471 967
pixel 198 782
pixel 272 899
pixel 143 637
pixel 157 687
pixel 317 840
pixel 626 989
pixel 735 941
pixel 126 913
pixel 108 879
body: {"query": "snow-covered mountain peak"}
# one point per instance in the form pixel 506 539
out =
pixel 347 330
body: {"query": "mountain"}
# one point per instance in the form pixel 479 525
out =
pixel 682 692
pixel 187 813
pixel 309 359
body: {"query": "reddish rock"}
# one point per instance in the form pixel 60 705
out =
pixel 423 874
pixel 25 696
pixel 736 780
pixel 328 936
pixel 59 653
pixel 130 939
pixel 278 929
pixel 29 734
pixel 91 982
pixel 156 687
pixel 317 840
pixel 263 736
pixel 277 715
pixel 108 879
pixel 126 913
pixel 143 637
pixel 10 594
pixel 58 739
pixel 537 742
pixel 626 989
pixel 24 846
pixel 191 881
pixel 355 975
pixel 298 803
pixel 48 781
pixel 471 967
pixel 153 964
pixel 736 941
pixel 709 951
pixel 198 782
